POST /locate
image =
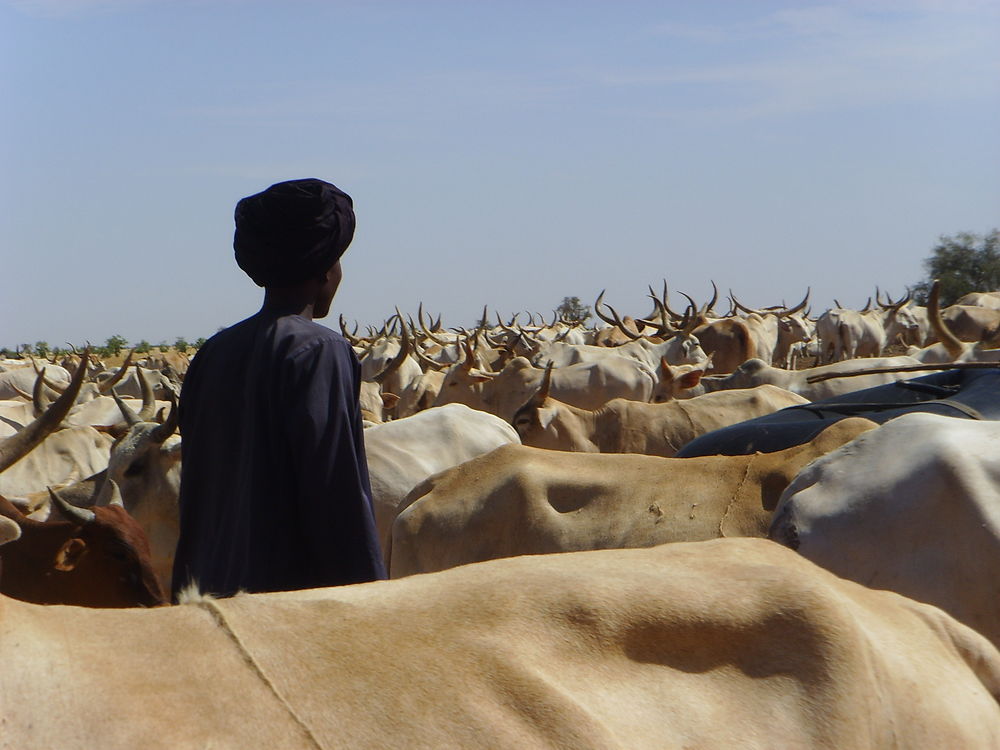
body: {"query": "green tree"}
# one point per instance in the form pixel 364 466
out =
pixel 181 345
pixel 200 342
pixel 142 347
pixel 115 344
pixel 573 311
pixel 42 349
pixel 964 263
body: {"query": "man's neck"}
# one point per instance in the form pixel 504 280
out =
pixel 287 301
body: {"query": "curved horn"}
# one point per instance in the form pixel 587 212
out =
pixel 617 322
pixel 431 363
pixel 666 304
pixel 798 307
pixel 116 494
pixel 837 303
pixel 163 431
pixel 81 516
pixel 689 323
pixel 148 409
pixel 710 307
pixel 17 446
pixel 107 385
pixel 692 307
pixel 868 306
pixel 39 397
pixel 423 327
pixel 353 340
pixel 543 389
pixel 878 299
pixel 131 418
pixel 597 309
pixel 41 373
pixel 740 306
pixel 663 328
pixel 949 340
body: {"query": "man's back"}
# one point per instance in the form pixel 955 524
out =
pixel 274 486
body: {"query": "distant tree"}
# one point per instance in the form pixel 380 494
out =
pixel 200 342
pixel 181 345
pixel 964 263
pixel 142 347
pixel 163 345
pixel 41 349
pixel 572 310
pixel 114 345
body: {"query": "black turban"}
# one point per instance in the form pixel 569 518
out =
pixel 292 231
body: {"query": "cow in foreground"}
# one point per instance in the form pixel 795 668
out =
pixel 913 507
pixel 518 501
pixel 729 643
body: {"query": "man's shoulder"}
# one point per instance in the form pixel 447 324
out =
pixel 302 336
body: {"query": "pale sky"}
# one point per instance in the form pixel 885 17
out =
pixel 502 153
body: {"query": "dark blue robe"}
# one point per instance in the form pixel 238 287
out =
pixel 274 484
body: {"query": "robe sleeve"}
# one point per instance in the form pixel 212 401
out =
pixel 331 495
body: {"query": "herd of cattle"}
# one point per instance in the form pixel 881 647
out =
pixel 837 593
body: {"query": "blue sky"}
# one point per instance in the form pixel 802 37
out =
pixel 507 154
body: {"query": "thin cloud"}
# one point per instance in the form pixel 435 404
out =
pixel 827 57
pixel 67 8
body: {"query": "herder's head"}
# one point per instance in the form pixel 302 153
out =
pixel 289 239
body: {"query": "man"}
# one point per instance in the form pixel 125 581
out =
pixel 274 484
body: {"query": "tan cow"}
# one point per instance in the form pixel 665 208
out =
pixel 518 500
pixel 723 644
pixel 622 426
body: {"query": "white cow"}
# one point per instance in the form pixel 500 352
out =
pixel 913 507
pixel 405 452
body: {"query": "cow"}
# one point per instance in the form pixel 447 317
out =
pixel 622 426
pixel 755 372
pixel 904 321
pixel 404 452
pixel 727 643
pixel 99 558
pixel 519 500
pixel 16 382
pixel 775 331
pixel 587 385
pixel 949 347
pixel 973 323
pixel 145 464
pixel 913 507
pixel 847 334
pixel 989 300
pixel 65 456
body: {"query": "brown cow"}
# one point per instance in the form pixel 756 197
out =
pixel 99 559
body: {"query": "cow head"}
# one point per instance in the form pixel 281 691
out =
pixel 675 379
pixel 98 558
pixel 544 422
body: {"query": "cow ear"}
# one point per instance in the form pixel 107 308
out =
pixel 389 400
pixel 666 371
pixel 9 530
pixel 691 379
pixel 545 416
pixel 70 554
